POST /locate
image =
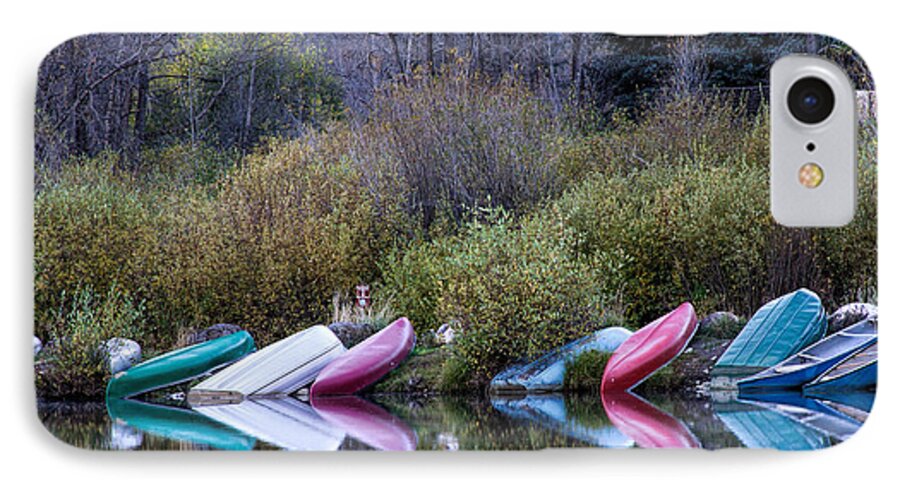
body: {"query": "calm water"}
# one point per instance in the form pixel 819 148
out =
pixel 785 421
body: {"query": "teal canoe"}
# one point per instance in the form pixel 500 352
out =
pixel 179 424
pixel 180 365
pixel 779 329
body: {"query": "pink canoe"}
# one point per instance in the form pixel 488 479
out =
pixel 646 425
pixel 366 422
pixel 366 362
pixel 649 349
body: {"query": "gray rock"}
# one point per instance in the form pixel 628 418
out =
pixel 351 333
pixel 850 314
pixel 37 345
pixel 718 319
pixel 213 332
pixel 121 354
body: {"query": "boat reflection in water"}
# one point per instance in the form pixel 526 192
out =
pixel 366 422
pixel 285 422
pixel 180 424
pixel 787 421
pixel 577 419
pixel 649 426
pixel 790 421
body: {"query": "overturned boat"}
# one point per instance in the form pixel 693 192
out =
pixel 281 368
pixel 808 364
pixel 776 331
pixel 180 365
pixel 547 373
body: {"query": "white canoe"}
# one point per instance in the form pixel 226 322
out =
pixel 279 369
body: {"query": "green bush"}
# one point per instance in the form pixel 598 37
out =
pixel 93 225
pixel 585 372
pixel 513 288
pixel 73 364
pixel 285 232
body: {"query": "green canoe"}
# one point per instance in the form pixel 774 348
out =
pixel 179 424
pixel 777 331
pixel 180 365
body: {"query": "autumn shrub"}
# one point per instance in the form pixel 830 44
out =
pixel 93 225
pixel 514 289
pixel 73 363
pixel 673 130
pixel 295 224
pixel 703 232
pixel 457 139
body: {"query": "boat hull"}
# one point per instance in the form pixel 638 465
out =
pixel 366 362
pixel 649 349
pixel 778 330
pixel 813 361
pixel 281 368
pixel 546 374
pixel 180 365
pixel 859 378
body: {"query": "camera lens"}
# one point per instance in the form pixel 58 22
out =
pixel 810 100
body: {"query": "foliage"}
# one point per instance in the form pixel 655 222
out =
pixel 514 289
pixel 92 225
pixel 285 232
pixel 457 141
pixel 229 90
pixel 76 363
pixel 380 314
pixel 585 372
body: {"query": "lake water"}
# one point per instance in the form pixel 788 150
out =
pixel 393 422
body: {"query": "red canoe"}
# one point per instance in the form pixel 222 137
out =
pixel 649 349
pixel 366 422
pixel 366 362
pixel 647 425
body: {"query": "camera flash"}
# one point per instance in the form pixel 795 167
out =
pixel 811 175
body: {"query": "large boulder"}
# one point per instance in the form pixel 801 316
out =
pixel 121 354
pixel 213 332
pixel 850 314
pixel 351 333
pixel 721 324
pixel 547 373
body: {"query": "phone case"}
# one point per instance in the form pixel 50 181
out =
pixel 438 242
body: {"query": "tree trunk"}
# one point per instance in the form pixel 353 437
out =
pixel 429 52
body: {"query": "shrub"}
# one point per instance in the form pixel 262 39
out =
pixel 295 224
pixel 92 225
pixel 455 140
pixel 585 372
pixel 514 288
pixel 74 364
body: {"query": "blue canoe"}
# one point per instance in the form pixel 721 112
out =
pixel 811 362
pixel 776 331
pixel 546 374
pixel 857 372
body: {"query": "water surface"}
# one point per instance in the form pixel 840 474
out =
pixel 398 423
